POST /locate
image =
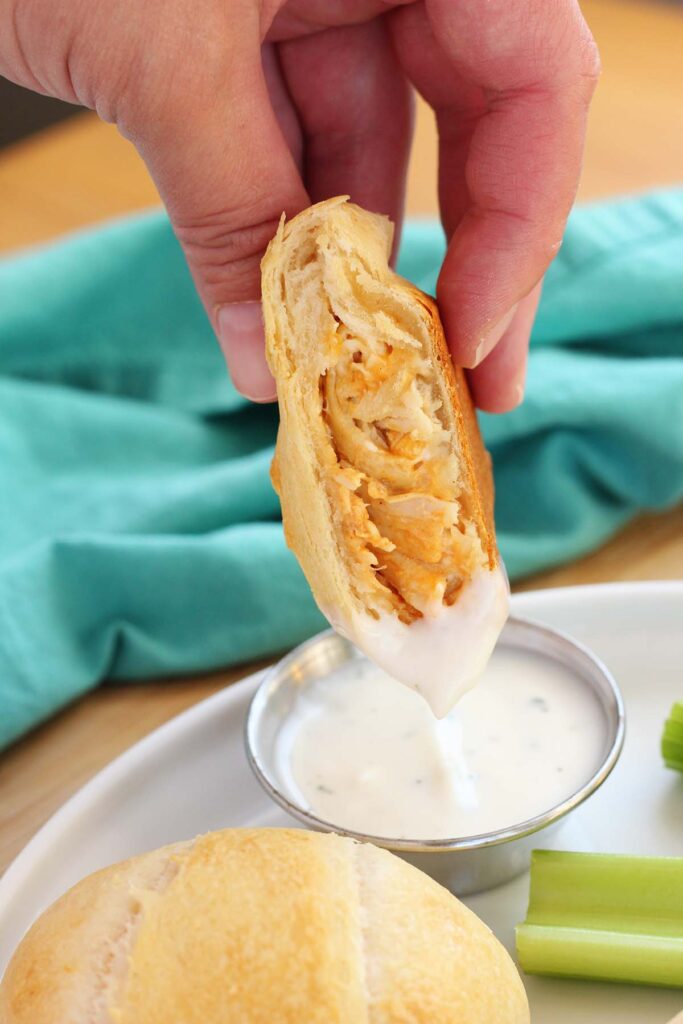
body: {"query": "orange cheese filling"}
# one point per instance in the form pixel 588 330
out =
pixel 396 478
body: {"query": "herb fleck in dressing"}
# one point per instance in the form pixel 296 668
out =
pixel 365 754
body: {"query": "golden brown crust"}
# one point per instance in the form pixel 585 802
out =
pixel 75 952
pixel 255 926
pixel 476 461
pixel 327 288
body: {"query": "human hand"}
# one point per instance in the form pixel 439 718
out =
pixel 246 108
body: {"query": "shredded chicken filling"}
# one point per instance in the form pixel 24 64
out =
pixel 393 474
pixel 400 510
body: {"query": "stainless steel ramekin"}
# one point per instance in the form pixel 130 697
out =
pixel 463 864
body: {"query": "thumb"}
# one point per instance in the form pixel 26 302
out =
pixel 225 174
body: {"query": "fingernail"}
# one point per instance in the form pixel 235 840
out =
pixel 240 334
pixel 519 394
pixel 493 336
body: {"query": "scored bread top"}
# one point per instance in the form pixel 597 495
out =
pixel 385 484
pixel 258 926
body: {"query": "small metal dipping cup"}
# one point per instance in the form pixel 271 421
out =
pixel 464 864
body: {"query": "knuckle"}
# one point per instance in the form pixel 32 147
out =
pixel 573 59
pixel 589 60
pixel 226 254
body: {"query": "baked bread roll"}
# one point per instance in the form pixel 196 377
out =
pixel 261 926
pixel 385 485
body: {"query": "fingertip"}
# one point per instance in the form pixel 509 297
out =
pixel 497 400
pixel 259 399
pixel 497 383
pixel 462 348
pixel 469 349
pixel 493 335
pixel 239 327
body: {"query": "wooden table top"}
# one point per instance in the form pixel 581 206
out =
pixel 82 171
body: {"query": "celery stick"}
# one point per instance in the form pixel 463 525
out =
pixel 672 749
pixel 672 739
pixel 673 731
pixel 604 916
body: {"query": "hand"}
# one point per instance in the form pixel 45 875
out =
pixel 245 108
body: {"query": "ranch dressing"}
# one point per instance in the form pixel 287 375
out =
pixel 443 654
pixel 362 753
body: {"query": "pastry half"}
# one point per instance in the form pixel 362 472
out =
pixel 385 485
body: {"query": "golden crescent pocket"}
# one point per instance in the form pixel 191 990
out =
pixel 385 485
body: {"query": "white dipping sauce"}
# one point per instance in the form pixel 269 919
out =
pixel 443 654
pixel 365 754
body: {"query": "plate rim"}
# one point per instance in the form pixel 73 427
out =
pixel 233 693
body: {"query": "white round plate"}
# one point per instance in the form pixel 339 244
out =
pixel 191 776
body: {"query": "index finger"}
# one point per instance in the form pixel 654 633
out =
pixel 510 82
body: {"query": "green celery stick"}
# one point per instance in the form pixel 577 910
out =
pixel 672 750
pixel 672 739
pixel 604 916
pixel 673 730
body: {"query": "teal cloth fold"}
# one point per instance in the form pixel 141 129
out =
pixel 139 533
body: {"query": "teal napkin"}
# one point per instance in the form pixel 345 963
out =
pixel 139 534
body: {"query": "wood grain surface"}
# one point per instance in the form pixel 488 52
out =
pixel 83 171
